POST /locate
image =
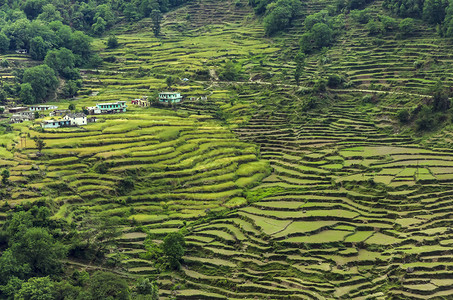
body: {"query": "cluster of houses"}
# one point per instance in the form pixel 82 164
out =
pixel 166 98
pixel 65 117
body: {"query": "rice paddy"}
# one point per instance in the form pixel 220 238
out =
pixel 275 202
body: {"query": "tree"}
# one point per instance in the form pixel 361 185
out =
pixel 40 144
pixel 403 116
pixel 278 19
pixel 112 42
pixel 230 71
pixel 4 43
pixel 105 12
pixel 50 14
pixel 105 285
pixel 334 81
pixel 70 89
pixel 280 14
pixel 389 23
pixel 448 21
pixel 374 27
pixel 300 64
pixel 33 8
pixel 13 285
pixel 10 267
pixel 98 28
pixel 322 35
pixel 173 247
pixel 81 46
pixel 441 102
pixel 42 80
pixel 156 17
pixel 3 96
pixel 38 48
pixel 37 248
pixel 170 81
pixel 36 288
pixel 71 106
pixel 130 12
pixel 406 26
pixel 434 11
pixel 26 95
pixel 60 59
pixel 36 115
pixel 147 287
pixel 5 176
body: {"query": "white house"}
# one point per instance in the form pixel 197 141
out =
pixel 20 118
pixel 59 112
pixel 41 107
pixel 93 110
pixel 77 119
pixel 55 123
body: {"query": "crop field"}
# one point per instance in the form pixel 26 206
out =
pixel 276 201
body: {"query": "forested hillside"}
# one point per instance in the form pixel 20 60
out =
pixel 311 156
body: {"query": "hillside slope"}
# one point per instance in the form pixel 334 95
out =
pixel 281 192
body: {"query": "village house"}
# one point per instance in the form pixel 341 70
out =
pixel 202 98
pixel 41 107
pixel 141 102
pixel 170 97
pixel 109 108
pixel 92 119
pixel 30 114
pixel 21 118
pixel 59 112
pixel 55 123
pixel 76 119
pixel 93 110
pixel 21 51
pixel 14 110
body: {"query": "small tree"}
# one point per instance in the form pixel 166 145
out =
pixel 406 26
pixel 156 17
pixel 173 247
pixel 5 176
pixel 71 106
pixel 26 94
pixel 112 42
pixel 105 285
pixel 40 144
pixel 146 287
pixel 441 102
pixel 403 116
pixel 36 288
pixel 3 96
pixel 300 64
pixel 36 115
pixel 170 81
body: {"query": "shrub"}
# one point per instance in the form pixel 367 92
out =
pixel 406 26
pixel 334 81
pixel 361 16
pixel 320 85
pixel 112 42
pixel 374 27
pixel 389 23
pixel 403 116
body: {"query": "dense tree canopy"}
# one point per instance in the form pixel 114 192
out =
pixel 42 80
pixel 280 14
pixel 173 248
pixel 432 11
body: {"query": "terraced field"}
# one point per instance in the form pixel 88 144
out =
pixel 347 212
